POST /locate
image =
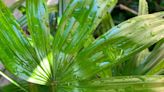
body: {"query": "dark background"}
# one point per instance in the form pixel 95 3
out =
pixel 120 14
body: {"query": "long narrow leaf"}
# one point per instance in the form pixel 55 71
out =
pixel 118 84
pixel 119 43
pixel 154 62
pixel 38 24
pixel 12 81
pixel 143 7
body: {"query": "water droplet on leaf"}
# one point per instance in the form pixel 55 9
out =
pixel 87 7
pixel 153 33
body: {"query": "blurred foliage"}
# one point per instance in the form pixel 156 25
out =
pixel 119 15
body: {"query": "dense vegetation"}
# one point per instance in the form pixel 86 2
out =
pixel 77 46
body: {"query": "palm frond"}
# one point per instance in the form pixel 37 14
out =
pixel 17 54
pixel 78 22
pixel 73 59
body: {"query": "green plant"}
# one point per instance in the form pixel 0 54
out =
pixel 78 58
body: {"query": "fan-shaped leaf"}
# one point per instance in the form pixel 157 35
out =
pixel 78 22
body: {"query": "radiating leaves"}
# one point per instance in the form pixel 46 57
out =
pixel 38 24
pixel 17 54
pixel 78 22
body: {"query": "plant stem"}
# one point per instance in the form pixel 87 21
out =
pixel 128 9
pixel 53 87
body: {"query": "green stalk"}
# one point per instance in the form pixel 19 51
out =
pixel 12 81
pixel 53 87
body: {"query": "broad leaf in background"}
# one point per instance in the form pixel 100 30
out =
pixel 154 63
pixel 120 84
pixel 130 65
pixel 122 42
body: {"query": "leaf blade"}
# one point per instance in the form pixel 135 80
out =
pixel 121 83
pixel 143 7
pixel 119 45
